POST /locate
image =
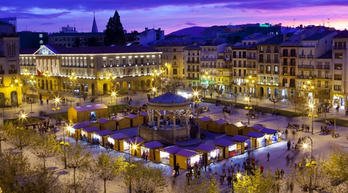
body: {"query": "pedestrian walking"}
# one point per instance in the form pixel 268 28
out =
pixel 199 173
pixel 215 170
pixel 281 174
pixel 47 101
pixel 277 173
pixel 231 163
pixel 229 180
pixel 188 178
pixel 268 155
pixel 291 187
pixel 221 180
pixel 262 168
pixel 289 145
pixel 286 133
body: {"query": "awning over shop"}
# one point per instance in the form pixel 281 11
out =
pixel 205 148
pixel 239 124
pixel 254 134
pixel 131 116
pixel 119 136
pixel 205 119
pixel 153 145
pixel 258 127
pixel 102 120
pixel 143 114
pixel 239 138
pixel 91 129
pixel 223 142
pixel 186 153
pixel 268 131
pixel 79 126
pixel 221 121
pixel 135 140
pixel 172 149
pixel 104 132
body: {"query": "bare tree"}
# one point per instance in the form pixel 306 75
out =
pixel 19 137
pixel 44 147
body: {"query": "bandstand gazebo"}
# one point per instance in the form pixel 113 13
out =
pixel 168 119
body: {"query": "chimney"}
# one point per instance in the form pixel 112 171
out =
pixel 146 29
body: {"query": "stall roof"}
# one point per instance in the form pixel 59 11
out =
pixel 103 120
pixel 103 132
pixel 153 145
pixel 268 131
pixel 87 123
pixel 91 129
pixel 118 136
pixel 254 134
pixel 205 148
pixel 239 138
pixel 131 116
pixel 172 149
pixel 239 124
pixel 205 119
pixel 186 153
pixel 79 126
pixel 117 118
pixel 221 121
pixel 258 127
pixel 135 140
pixel 223 142
pixel 90 107
pixel 143 114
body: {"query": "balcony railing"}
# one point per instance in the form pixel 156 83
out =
pixel 310 56
pixel 2 72
pixel 340 47
pixel 12 71
pixel 301 56
pixel 306 66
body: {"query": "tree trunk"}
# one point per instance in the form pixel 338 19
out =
pixel 44 160
pixel 75 180
pixel 104 185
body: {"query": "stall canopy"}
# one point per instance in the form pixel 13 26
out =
pixel 103 132
pixel 103 120
pixel 172 149
pixel 153 145
pixel 205 148
pixel 223 143
pixel 203 122
pixel 135 140
pixel 186 153
pixel 79 126
pixel 258 127
pixel 91 129
pixel 254 134
pixel 268 131
pixel 131 116
pixel 239 138
pixel 119 136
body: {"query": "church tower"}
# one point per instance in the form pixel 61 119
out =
pixel 94 26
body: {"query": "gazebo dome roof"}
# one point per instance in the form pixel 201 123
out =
pixel 168 98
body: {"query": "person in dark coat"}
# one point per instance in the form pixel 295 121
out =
pixel 268 155
pixel 229 180
pixel 289 145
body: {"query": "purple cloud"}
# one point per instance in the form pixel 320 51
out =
pixel 190 23
pixel 48 23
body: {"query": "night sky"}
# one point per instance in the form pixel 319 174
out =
pixel 170 15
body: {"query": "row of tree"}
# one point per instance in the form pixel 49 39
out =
pixel 19 174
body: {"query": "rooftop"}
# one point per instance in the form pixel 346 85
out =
pixel 326 55
pixel 168 98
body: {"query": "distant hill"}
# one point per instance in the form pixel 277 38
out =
pixel 193 31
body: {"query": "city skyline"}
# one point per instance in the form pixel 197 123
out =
pixel 172 15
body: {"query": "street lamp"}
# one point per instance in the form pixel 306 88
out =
pixel 311 161
pixel 113 95
pixel 248 107
pixel 238 175
pixel 311 105
pixel 154 90
pixel 307 86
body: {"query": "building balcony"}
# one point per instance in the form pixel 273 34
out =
pixel 302 56
pixel 310 56
pixel 13 71
pixel 306 66
pixel 192 78
pixel 251 57
pixel 340 47
pixel 324 77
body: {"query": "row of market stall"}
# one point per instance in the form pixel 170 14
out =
pixel 172 155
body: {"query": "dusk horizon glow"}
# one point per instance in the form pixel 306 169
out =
pixel 40 16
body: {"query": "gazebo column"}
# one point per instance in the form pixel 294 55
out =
pixel 174 129
pixel 150 116
pixel 153 120
pixel 158 121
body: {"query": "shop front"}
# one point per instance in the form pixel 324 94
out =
pixel 203 122
pixel 122 123
pixel 75 130
pixel 271 135
pixel 235 128
pixel 117 141
pixel 102 136
pixel 257 140
pixel 217 126
pixel 209 153
pixel 153 153
pixel 187 158
pixel 87 133
pixel 135 120
pixel 167 155
pixel 242 143
pixel 338 100
pixel 229 149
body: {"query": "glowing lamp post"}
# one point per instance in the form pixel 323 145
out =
pixel 134 147
pixel 311 161
pixel 311 105
pixel 248 107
